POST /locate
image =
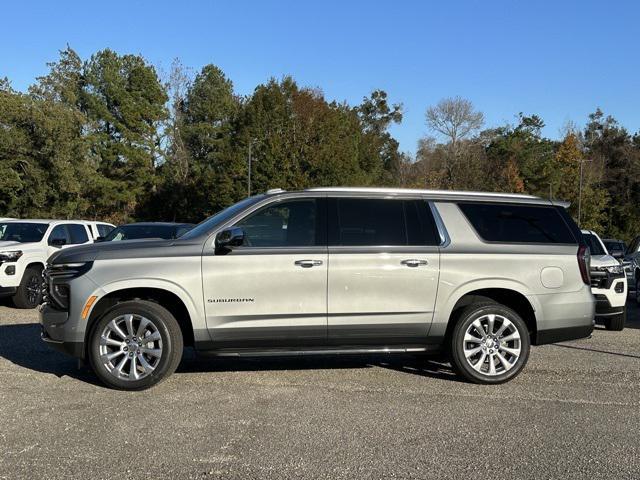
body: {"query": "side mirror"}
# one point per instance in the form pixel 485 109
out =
pixel 617 254
pixel 99 239
pixel 229 238
pixel 58 242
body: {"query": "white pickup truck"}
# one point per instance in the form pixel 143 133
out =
pixel 25 246
pixel 608 284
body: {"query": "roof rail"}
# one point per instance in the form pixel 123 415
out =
pixel 275 190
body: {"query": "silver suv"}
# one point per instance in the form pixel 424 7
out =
pixel 480 276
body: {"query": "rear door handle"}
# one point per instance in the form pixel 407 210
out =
pixel 308 263
pixel 413 262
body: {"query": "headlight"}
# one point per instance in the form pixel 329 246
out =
pixel 616 269
pixel 10 256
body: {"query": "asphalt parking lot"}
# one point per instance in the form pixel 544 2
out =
pixel 573 413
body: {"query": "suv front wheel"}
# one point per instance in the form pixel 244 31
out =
pixel 489 344
pixel 135 345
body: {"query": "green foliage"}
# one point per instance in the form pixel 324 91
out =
pixel 106 138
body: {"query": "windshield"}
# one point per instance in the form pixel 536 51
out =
pixel 220 217
pixel 22 232
pixel 593 244
pixel 613 246
pixel 137 232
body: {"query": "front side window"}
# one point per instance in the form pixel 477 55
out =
pixel 22 232
pixel 104 229
pixel 508 223
pixel 289 223
pixel 59 235
pixel 78 233
pixel 381 222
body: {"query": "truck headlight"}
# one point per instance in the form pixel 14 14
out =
pixel 10 256
pixel 615 269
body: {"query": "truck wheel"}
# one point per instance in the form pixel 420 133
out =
pixel 489 344
pixel 29 293
pixel 637 289
pixel 616 323
pixel 135 345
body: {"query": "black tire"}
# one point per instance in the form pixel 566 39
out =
pixel 616 323
pixel 170 334
pixel 24 296
pixel 637 292
pixel 457 343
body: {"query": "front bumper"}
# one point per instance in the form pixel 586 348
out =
pixel 9 283
pixel 604 307
pixel 56 331
pixel 7 291
pixel 610 291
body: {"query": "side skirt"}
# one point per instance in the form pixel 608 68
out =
pixel 304 351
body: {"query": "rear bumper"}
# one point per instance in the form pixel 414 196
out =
pixel 564 316
pixel 563 334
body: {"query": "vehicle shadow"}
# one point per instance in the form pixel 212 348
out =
pixel 21 345
pixel 404 363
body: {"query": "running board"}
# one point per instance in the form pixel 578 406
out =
pixel 287 352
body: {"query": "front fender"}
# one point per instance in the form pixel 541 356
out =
pixel 194 306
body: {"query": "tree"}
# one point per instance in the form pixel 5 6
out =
pixel 125 103
pixel 616 159
pixel 63 83
pixel 380 150
pixel 592 200
pixel 455 119
pixel 42 153
pixel 206 127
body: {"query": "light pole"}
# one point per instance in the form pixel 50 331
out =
pixel 249 168
pixel 582 160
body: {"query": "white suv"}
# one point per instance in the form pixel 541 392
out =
pixel 25 246
pixel 608 283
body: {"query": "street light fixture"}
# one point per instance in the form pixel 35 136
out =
pixel 249 168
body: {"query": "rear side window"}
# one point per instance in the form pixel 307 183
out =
pixel 517 223
pixel 379 222
pixel 78 233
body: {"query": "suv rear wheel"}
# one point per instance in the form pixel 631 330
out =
pixel 135 345
pixel 489 344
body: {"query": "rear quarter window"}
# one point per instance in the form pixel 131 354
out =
pixel 508 223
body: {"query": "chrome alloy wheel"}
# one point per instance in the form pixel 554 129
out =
pixel 130 347
pixel 492 344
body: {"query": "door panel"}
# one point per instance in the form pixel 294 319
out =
pixel 383 270
pixel 266 299
pixel 375 298
pixel 271 290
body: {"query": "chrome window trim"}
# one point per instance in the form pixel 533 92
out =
pixel 445 239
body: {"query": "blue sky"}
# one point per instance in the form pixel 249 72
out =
pixel 558 59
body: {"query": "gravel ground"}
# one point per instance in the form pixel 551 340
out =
pixel 573 413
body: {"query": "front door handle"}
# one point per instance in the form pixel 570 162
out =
pixel 308 263
pixel 413 262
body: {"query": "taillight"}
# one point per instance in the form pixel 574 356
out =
pixel 584 262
